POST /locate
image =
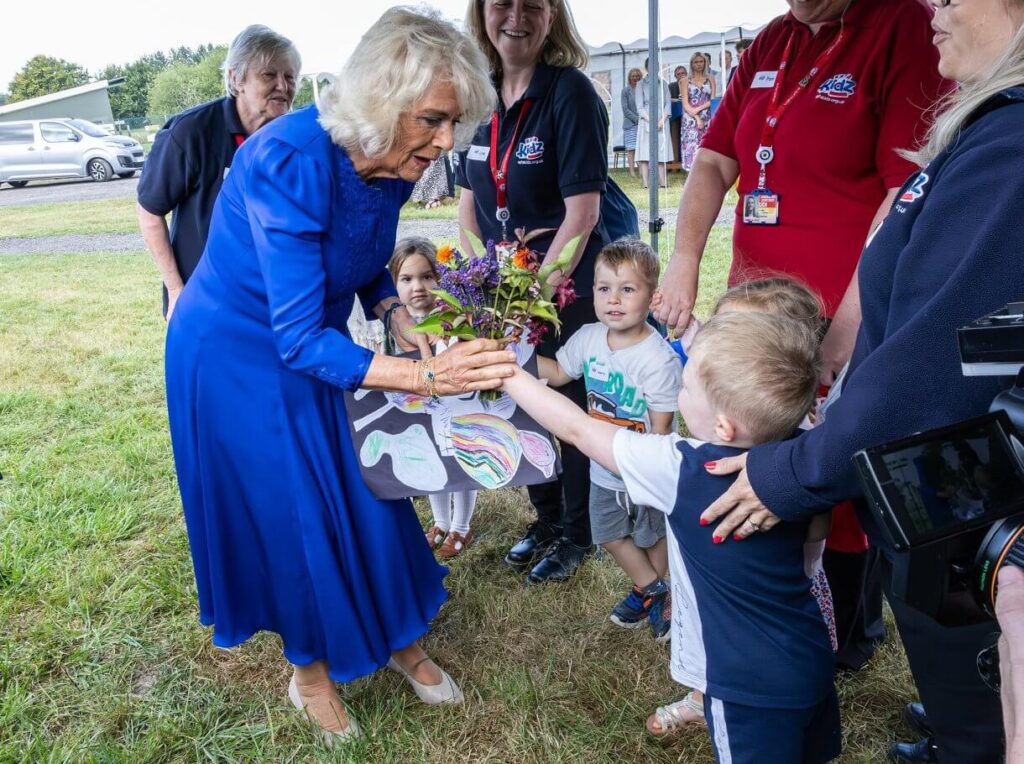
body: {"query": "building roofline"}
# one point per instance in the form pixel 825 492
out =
pixel 61 95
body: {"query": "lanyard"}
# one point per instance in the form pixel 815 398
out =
pixel 776 107
pixel 239 139
pixel 500 174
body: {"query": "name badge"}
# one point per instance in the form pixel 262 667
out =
pixel 478 153
pixel 764 80
pixel 598 371
pixel 761 207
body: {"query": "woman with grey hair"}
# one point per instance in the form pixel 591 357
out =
pixel 194 151
pixel 285 535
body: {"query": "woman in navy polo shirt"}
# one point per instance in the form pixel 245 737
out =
pixel 551 144
pixel 948 252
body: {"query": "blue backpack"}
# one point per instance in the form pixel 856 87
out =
pixel 618 213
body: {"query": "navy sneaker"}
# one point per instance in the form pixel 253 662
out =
pixel 660 615
pixel 632 611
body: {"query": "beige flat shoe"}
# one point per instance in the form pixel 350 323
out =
pixel 350 732
pixel 431 694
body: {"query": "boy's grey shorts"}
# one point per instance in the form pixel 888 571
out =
pixel 613 516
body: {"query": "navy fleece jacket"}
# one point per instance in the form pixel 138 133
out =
pixel 950 250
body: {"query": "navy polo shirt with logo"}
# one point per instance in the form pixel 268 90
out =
pixel 561 151
pixel 184 171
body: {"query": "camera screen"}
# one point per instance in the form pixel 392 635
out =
pixel 951 480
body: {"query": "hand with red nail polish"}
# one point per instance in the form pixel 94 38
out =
pixel 738 504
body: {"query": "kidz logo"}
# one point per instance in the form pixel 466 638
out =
pixel 530 150
pixel 838 88
pixel 915 190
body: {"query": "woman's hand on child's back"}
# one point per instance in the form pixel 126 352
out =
pixel 739 509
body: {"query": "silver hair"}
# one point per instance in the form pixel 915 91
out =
pixel 956 109
pixel 394 65
pixel 256 45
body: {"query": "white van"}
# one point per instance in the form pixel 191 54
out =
pixel 40 149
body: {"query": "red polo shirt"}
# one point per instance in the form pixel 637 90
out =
pixel 835 144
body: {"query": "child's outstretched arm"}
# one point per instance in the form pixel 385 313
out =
pixel 563 418
pixel 552 371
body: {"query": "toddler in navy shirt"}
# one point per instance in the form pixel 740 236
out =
pixel 750 633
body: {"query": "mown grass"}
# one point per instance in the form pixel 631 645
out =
pixel 101 655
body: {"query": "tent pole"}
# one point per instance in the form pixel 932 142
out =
pixel 654 110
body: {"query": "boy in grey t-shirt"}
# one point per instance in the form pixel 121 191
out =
pixel 632 377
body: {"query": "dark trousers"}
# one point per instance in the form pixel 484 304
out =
pixel 856 583
pixel 565 503
pixel 965 713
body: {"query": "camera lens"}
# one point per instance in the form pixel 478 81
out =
pixel 1002 545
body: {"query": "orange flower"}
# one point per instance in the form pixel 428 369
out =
pixel 444 254
pixel 521 258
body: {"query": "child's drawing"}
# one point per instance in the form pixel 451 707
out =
pixel 453 443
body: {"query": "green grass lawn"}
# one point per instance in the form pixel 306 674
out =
pixel 101 655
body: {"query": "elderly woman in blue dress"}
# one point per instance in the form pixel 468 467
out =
pixel 285 535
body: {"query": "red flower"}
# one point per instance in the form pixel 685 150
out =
pixel 565 293
pixel 537 331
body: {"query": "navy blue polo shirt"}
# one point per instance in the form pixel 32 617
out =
pixel 561 151
pixel 184 171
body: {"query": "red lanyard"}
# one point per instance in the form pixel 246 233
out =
pixel 500 174
pixel 766 152
pixel 239 139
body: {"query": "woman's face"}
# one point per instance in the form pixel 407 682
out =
pixel 425 132
pixel 635 77
pixel 267 91
pixel 971 35
pixel 817 11
pixel 518 29
pixel 697 64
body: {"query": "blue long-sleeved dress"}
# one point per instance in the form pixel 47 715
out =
pixel 285 536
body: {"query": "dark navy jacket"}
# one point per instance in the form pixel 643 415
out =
pixel 184 172
pixel 950 250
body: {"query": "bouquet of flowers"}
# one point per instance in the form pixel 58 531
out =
pixel 502 292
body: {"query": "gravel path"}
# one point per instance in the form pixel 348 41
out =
pixel 132 242
pixel 60 191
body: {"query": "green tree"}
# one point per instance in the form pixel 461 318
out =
pixel 43 75
pixel 182 85
pixel 131 97
pixel 304 95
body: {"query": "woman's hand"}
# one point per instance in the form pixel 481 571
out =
pixel 1010 614
pixel 401 327
pixel 741 512
pixel 473 365
pixel 700 123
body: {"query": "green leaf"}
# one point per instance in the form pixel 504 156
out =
pixel 561 262
pixel 465 332
pixel 431 324
pixel 447 297
pixel 547 312
pixel 474 242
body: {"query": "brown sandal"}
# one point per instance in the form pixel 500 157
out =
pixel 435 536
pixel 454 543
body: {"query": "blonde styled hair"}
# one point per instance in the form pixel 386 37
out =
pixel 564 46
pixel 396 62
pixel 408 247
pixel 760 369
pixel 778 296
pixel 956 109
pixel 635 253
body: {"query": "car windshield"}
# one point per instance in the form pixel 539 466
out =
pixel 88 128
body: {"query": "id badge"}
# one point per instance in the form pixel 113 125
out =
pixel 761 207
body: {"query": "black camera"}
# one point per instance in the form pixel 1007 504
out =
pixel 952 499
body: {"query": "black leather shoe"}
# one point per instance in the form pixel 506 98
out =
pixel 561 561
pixel 922 752
pixel 917 720
pixel 534 544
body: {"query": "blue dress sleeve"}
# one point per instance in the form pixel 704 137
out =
pixel 960 261
pixel 289 204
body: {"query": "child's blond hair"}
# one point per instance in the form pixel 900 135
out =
pixel 406 248
pixel 761 369
pixel 637 254
pixel 779 296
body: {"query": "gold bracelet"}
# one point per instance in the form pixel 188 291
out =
pixel 427 368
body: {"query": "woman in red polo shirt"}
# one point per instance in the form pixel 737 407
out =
pixel 809 128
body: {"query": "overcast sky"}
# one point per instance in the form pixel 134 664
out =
pixel 94 34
